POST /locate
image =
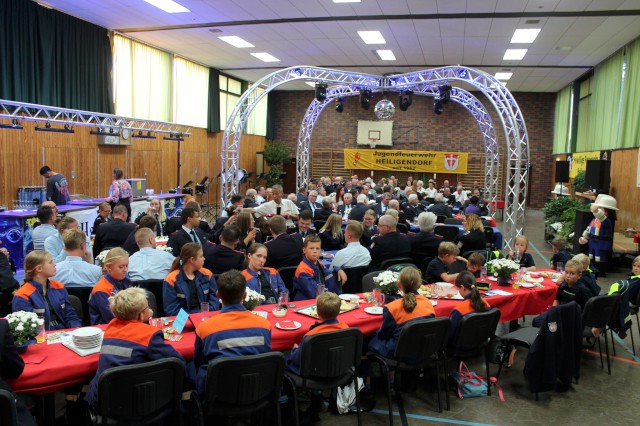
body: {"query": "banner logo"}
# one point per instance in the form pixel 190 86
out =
pixel 356 158
pixel 451 161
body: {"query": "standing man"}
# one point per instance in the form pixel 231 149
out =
pixel 57 186
pixel 278 206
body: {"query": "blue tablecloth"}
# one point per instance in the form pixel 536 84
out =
pixel 496 233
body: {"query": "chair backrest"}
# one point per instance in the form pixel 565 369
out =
pixel 155 287
pixel 440 218
pixel 367 281
pixel 354 279
pixel 318 224
pixel 246 383
pixel 474 331
pixel 402 228
pixel 141 392
pixel 151 300
pixel 486 223
pixel 287 273
pixel 8 411
pixel 420 340
pixel 447 232
pixel 77 306
pixel 466 254
pixel 599 310
pixel 396 261
pixel 490 237
pixel 452 221
pixel 457 266
pixel 82 293
pixel 330 355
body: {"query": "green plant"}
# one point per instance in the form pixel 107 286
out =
pixel 578 182
pixel 561 210
pixel 276 153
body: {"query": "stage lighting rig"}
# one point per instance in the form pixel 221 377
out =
pixel 365 99
pixel 321 92
pixel 405 99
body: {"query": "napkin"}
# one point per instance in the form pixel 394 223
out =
pixel 287 324
pixel 36 359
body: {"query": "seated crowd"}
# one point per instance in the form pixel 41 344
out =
pixel 261 233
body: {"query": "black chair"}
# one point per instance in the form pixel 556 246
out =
pixel 447 232
pixel 287 273
pixel 151 301
pixel 77 306
pixel 155 287
pixel 420 343
pixel 140 394
pixel 440 218
pixel 396 261
pixel 236 386
pixel 402 228
pixel 424 264
pixel 318 224
pixel 474 334
pixel 457 266
pixel 354 279
pixel 634 307
pixel 452 221
pixel 328 360
pixel 367 281
pixel 8 410
pixel 490 238
pixel 597 313
pixel 82 293
pixel 486 223
pixel 466 254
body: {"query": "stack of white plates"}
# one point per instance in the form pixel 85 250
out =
pixel 87 337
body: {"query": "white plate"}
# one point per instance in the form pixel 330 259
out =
pixel 290 325
pixel 433 302
pixel 348 297
pixel 86 332
pixel 493 279
pixel 534 280
pixel 373 310
pixel 444 284
pixel 526 285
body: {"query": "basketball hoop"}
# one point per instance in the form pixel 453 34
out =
pixel 372 142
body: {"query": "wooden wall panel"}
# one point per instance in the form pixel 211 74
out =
pixel 60 160
pixel 195 166
pixel 146 165
pixel 109 157
pixel 624 166
pixel 85 166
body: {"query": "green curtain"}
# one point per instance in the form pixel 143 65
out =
pixel 213 116
pixel 49 58
pixel 271 117
pixel 605 106
pixel 629 128
pixel 561 127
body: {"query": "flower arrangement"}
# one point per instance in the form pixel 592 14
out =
pixel 253 299
pixel 102 256
pixel 387 281
pixel 164 248
pixel 503 268
pixel 24 326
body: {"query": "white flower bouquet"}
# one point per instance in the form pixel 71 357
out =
pixel 253 299
pixel 503 268
pixel 24 326
pixel 102 256
pixel 387 281
pixel 164 248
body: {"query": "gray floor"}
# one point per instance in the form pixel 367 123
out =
pixel 598 399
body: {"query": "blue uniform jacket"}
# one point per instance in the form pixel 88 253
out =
pixel 394 317
pixel 293 362
pixel 99 310
pixel 175 291
pixel 275 282
pixel 128 343
pixel 235 332
pixel 307 278
pixel 30 298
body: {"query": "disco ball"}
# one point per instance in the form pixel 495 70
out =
pixel 385 109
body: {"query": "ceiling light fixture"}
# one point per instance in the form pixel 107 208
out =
pixel 340 104
pixel 386 55
pixel 347 1
pixel 525 35
pixel 503 75
pixel 236 41
pixel 514 54
pixel 321 92
pixel 265 57
pixel 15 125
pixel 168 6
pixel 372 37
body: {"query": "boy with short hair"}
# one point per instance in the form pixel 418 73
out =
pixel 475 264
pixel 588 279
pixel 312 272
pixel 634 280
pixel 560 254
pixel 438 269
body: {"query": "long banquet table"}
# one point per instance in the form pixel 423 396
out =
pixel 53 367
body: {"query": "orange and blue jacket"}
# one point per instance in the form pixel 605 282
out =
pixel 307 278
pixel 235 332
pixel 462 309
pixel 30 298
pixel 175 291
pixel 275 282
pixel 99 310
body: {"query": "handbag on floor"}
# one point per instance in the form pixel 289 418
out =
pixel 469 385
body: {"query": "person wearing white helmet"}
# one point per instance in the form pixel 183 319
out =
pixel 599 234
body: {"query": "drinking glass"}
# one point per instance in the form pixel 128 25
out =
pixel 381 299
pixel 320 289
pixel 483 274
pixel 375 293
pixel 560 266
pixel 204 310
pixel 283 299
pixel 41 337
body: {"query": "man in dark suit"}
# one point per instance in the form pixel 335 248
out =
pixel 425 243
pixel 188 233
pixel 357 213
pixel 8 284
pixel 284 249
pixel 448 197
pixel 439 208
pixel 304 225
pixel 389 244
pixel 383 204
pixel 323 213
pixel 302 195
pixel 369 229
pixel 413 208
pixel 311 204
pixel 175 223
pixel 224 257
pixel 113 233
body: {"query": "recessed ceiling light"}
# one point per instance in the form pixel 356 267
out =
pixel 347 1
pixel 236 41
pixel 503 75
pixel 386 55
pixel 265 57
pixel 564 48
pixel 514 54
pixel 168 6
pixel 525 35
pixel 372 37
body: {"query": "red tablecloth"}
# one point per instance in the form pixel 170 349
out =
pixel 50 368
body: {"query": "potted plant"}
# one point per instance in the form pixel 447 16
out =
pixel 276 153
pixel 24 327
pixel 503 268
pixel 387 282
pixel 252 300
pixel 578 182
pixel 559 215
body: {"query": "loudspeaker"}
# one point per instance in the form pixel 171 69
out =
pixel 598 175
pixel 583 219
pixel 562 171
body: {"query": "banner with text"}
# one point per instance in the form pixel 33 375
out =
pixel 579 161
pixel 415 161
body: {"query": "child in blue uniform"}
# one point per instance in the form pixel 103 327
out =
pixel 312 272
pixel 519 253
pixel 560 254
pixel 114 280
pixel 634 280
pixel 265 281
pixel 473 302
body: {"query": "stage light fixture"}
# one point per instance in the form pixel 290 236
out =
pixel 140 135
pixel 339 104
pixel 437 106
pixel 13 126
pixel 47 128
pixel 406 98
pixel 174 137
pixel 102 132
pixel 321 92
pixel 445 93
pixel 365 99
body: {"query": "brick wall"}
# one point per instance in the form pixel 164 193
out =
pixel 419 128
